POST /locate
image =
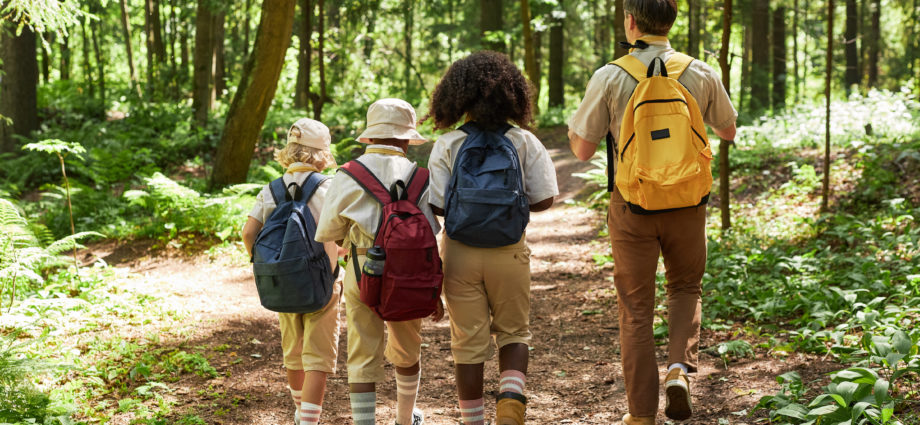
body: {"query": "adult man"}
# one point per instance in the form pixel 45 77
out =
pixel 637 239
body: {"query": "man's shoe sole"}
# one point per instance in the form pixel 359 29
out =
pixel 678 406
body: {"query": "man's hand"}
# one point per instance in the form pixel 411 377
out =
pixel 438 311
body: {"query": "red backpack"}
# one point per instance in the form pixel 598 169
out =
pixel 411 281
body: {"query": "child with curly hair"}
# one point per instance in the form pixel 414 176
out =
pixel 487 289
pixel 309 341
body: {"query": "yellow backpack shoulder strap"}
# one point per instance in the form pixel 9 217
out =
pixel 677 64
pixel 632 65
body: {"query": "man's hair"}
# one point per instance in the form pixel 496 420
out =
pixel 653 17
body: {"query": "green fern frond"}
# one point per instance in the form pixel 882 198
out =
pixel 70 242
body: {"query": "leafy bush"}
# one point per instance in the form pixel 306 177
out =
pixel 20 399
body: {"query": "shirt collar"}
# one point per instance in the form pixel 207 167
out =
pixel 655 40
pixel 388 147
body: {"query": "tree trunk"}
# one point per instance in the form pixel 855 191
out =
pixel 65 57
pixel 603 24
pixel 795 48
pixel 305 57
pixel 46 58
pixel 255 93
pixel 530 60
pixel 87 71
pixel 852 52
pixel 556 62
pixel 724 163
pixel 201 76
pixel 218 63
pixel 126 33
pixel 779 59
pixel 320 99
pixel 829 66
pixel 246 28
pixel 693 33
pixel 618 17
pixel 745 88
pixel 156 51
pixel 184 50
pixel 760 56
pixel 873 41
pixel 370 13
pixel 490 15
pixel 408 11
pixel 95 28
pixel 19 85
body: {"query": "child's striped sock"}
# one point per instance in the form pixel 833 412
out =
pixel 406 393
pixel 295 395
pixel 513 381
pixel 309 413
pixel 363 408
pixel 472 412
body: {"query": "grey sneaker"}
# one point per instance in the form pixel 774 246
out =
pixel 297 417
pixel 418 418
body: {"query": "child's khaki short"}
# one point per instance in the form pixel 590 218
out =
pixel 318 351
pixel 488 293
pixel 366 347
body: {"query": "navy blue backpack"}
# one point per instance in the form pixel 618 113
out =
pixel 485 202
pixel 292 270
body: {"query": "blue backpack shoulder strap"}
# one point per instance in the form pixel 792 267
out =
pixel 311 184
pixel 278 190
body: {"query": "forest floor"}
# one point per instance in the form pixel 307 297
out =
pixel 575 371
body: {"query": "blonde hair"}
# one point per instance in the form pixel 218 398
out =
pixel 294 152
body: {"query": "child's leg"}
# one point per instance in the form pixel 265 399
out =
pixel 320 349
pixel 468 308
pixel 314 388
pixel 365 350
pixel 292 348
pixel 403 349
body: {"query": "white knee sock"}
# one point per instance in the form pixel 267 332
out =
pixel 406 393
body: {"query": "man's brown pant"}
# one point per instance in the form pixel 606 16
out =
pixel 637 240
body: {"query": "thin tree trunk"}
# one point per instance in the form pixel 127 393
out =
pixel 184 50
pixel 604 25
pixel 556 63
pixel 795 48
pixel 320 99
pixel 255 93
pixel 302 90
pixel 852 53
pixel 126 33
pixel 618 17
pixel 46 58
pixel 693 33
pixel 876 11
pixel 745 88
pixel 530 60
pixel 490 16
pixel 779 59
pixel 760 56
pixel 65 56
pixel 407 40
pixel 246 27
pixel 19 85
pixel 218 65
pixel 829 66
pixel 87 71
pixel 156 51
pixel 201 78
pixel 724 163
pixel 95 28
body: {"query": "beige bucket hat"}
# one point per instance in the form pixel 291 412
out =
pixel 391 118
pixel 310 133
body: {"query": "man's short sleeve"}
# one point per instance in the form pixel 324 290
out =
pixel 720 113
pixel 592 119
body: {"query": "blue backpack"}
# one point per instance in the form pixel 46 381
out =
pixel 485 203
pixel 292 270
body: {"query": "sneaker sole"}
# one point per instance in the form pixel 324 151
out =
pixel 678 406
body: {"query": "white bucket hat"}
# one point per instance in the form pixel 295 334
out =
pixel 391 119
pixel 311 133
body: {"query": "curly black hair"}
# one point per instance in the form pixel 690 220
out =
pixel 488 87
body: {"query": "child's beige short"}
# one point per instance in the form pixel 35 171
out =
pixel 366 348
pixel 318 351
pixel 488 293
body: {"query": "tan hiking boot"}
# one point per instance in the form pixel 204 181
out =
pixel 638 420
pixel 509 409
pixel 677 395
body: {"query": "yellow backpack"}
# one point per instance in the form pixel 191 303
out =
pixel 663 154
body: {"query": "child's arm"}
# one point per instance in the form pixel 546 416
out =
pixel 250 231
pixel 436 210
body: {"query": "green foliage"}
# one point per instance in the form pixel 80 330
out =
pixel 20 399
pixel 42 15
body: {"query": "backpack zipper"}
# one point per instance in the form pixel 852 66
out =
pixel 626 146
pixel 659 101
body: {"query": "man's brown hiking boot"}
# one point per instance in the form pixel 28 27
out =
pixel 638 420
pixel 677 395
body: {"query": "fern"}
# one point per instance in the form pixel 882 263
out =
pixel 20 399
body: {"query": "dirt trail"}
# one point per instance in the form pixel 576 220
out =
pixel 574 376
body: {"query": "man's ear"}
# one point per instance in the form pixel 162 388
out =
pixel 630 21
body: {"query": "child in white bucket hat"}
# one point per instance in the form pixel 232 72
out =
pixel 351 217
pixel 309 341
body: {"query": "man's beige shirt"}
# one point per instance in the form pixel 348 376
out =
pixel 351 214
pixel 610 87
pixel 539 174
